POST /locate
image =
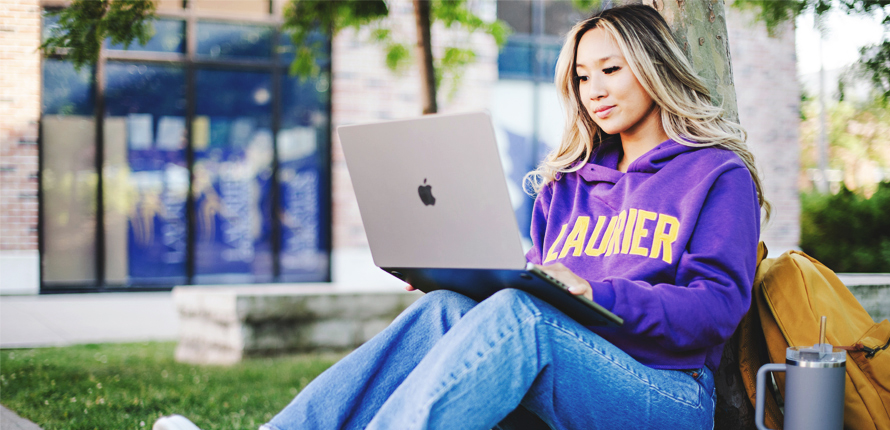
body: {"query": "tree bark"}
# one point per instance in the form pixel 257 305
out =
pixel 424 51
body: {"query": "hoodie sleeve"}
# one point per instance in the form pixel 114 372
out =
pixel 712 290
pixel 539 224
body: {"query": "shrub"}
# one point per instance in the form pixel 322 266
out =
pixel 847 231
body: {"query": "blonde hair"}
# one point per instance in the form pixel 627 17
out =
pixel 687 115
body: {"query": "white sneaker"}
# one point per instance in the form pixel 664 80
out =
pixel 174 422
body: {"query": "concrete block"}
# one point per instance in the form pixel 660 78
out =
pixel 222 325
pixel 875 299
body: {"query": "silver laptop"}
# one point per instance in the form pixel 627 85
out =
pixel 434 202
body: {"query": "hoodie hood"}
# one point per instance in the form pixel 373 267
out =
pixel 603 166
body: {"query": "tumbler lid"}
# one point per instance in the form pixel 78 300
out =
pixel 818 355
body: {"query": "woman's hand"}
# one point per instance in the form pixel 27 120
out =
pixel 409 287
pixel 577 285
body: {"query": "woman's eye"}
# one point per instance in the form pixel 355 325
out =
pixel 611 70
pixel 581 78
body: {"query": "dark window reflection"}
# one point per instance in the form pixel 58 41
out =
pixel 224 40
pixel 232 140
pixel 560 16
pixel 516 13
pixel 287 51
pixel 146 174
pixel 169 37
pixel 67 91
pixel 531 53
pixel 304 132
pixel 516 59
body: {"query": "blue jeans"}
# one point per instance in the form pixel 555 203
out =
pixel 449 362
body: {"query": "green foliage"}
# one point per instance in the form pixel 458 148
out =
pixel 454 14
pixel 398 56
pixel 302 17
pixel 129 386
pixel 773 13
pixel 85 24
pixel 586 5
pixel 874 60
pixel 454 60
pixel 846 231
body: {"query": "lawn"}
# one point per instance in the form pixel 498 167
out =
pixel 128 386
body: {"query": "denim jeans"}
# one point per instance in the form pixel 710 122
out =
pixel 449 362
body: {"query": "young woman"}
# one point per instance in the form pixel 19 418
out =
pixel 650 206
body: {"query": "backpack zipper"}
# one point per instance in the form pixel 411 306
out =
pixel 870 352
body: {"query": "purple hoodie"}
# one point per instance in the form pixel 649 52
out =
pixel 670 247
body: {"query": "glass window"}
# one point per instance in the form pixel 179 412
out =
pixel 301 140
pixel 145 174
pixel 547 56
pixel 241 41
pixel 516 59
pixel 67 91
pixel 169 37
pixel 68 180
pixel 516 13
pixel 560 16
pixel 232 140
pixel 287 51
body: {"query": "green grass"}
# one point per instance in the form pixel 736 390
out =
pixel 128 386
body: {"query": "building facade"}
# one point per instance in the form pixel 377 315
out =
pixel 201 140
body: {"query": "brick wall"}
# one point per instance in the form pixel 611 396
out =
pixel 765 72
pixel 19 114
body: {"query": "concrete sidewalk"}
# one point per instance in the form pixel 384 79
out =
pixel 69 319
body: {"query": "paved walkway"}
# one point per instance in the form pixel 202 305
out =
pixel 69 319
pixel 9 420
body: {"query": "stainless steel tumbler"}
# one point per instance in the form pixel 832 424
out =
pixel 814 388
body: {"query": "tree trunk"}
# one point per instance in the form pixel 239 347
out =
pixel 424 51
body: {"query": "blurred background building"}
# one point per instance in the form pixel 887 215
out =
pixel 97 163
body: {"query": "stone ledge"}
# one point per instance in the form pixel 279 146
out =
pixel 223 324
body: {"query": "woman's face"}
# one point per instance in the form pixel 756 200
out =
pixel 609 90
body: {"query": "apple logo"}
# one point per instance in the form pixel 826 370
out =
pixel 426 194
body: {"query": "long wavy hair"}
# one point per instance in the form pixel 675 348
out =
pixel 684 102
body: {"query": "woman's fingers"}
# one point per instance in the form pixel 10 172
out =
pixel 409 287
pixel 577 285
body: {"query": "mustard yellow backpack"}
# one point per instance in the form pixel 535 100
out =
pixel 791 293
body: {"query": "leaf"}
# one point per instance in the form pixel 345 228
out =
pixel 85 24
pixel 302 17
pixel 874 61
pixel 398 57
